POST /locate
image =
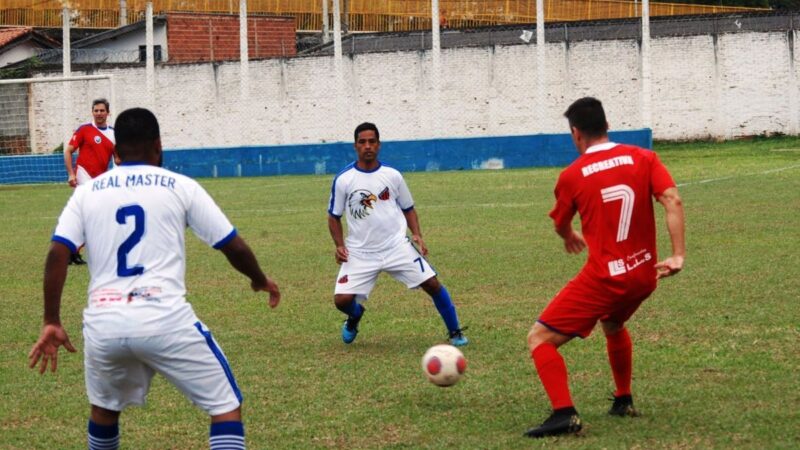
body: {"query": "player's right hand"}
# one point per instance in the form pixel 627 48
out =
pixel 46 348
pixel 272 288
pixel 341 254
pixel 574 243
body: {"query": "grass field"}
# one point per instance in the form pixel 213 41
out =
pixel 715 348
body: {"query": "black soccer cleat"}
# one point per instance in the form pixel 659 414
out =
pixel 562 421
pixel 75 259
pixel 623 407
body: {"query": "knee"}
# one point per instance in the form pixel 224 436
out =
pixel 431 286
pixel 612 328
pixel 102 416
pixel 231 416
pixel 535 337
pixel 343 300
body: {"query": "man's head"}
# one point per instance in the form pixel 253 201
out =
pixel 587 122
pixel 367 143
pixel 100 111
pixel 138 136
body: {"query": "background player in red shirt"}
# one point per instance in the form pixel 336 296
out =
pixel 95 145
pixel 94 142
pixel 611 186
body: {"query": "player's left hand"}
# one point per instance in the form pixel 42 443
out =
pixel 421 244
pixel 669 267
pixel 46 348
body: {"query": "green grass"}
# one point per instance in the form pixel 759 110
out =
pixel 716 348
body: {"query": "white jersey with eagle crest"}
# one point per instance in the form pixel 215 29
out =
pixel 132 220
pixel 373 202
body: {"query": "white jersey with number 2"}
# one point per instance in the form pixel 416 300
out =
pixel 132 220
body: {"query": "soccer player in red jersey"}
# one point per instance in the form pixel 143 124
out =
pixel 611 187
pixel 95 145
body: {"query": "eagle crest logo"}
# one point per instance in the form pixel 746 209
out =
pixel 360 202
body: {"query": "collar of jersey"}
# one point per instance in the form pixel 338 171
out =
pixel 355 166
pixel 133 163
pixel 601 147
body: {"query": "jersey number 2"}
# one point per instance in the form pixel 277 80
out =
pixel 123 213
pixel 625 194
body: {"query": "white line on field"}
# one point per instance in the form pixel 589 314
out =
pixel 440 206
pixel 763 172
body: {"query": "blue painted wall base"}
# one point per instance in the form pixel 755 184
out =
pixel 538 150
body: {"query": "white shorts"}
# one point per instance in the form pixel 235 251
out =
pixel 403 262
pixel 82 176
pixel 119 370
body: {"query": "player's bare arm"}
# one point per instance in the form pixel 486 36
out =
pixel 673 206
pixel 53 334
pixel 573 241
pixel 241 257
pixel 71 178
pixel 416 234
pixel 337 234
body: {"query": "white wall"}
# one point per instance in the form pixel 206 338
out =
pixel 18 53
pixel 123 48
pixel 742 85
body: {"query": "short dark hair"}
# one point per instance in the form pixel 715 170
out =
pixel 136 130
pixel 587 115
pixel 365 127
pixel 98 101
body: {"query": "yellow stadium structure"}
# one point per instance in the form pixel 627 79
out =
pixel 359 15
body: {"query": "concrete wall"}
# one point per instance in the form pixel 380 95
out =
pixel 720 86
pixel 407 156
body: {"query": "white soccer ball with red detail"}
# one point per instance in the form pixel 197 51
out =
pixel 444 365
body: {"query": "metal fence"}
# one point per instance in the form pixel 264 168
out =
pixel 567 31
pixel 358 15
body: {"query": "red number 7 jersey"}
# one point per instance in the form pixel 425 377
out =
pixel 612 187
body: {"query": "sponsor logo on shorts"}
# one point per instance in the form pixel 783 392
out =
pixel 343 280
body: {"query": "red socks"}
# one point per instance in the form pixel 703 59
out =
pixel 620 355
pixel 553 373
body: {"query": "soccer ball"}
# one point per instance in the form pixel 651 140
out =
pixel 444 365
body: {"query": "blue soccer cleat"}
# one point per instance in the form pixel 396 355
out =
pixel 457 338
pixel 350 327
pixel 349 332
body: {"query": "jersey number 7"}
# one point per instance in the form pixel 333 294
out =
pixel 625 194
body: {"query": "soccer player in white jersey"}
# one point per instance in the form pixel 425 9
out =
pixel 137 321
pixel 379 208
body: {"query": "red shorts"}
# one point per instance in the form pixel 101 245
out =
pixel 578 307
